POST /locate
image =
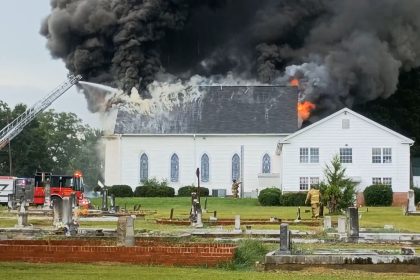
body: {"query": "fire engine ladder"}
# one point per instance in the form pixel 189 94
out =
pixel 11 130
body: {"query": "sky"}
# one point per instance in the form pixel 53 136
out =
pixel 27 70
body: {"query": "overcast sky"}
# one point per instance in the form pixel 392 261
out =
pixel 27 70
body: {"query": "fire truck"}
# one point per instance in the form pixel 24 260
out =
pixel 60 186
pixel 33 190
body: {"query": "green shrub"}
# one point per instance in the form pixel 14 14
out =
pixel 248 252
pixel 378 195
pixel 187 190
pixel 154 188
pixel 120 191
pixel 293 199
pixel 269 197
pixel 416 195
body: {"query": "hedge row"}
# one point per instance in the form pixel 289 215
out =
pixel 274 197
pixel 187 190
pixel 378 195
pixel 416 195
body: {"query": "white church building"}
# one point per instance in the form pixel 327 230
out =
pixel 251 134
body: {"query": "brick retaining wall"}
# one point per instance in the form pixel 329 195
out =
pixel 148 253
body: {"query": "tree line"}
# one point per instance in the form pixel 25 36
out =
pixel 54 142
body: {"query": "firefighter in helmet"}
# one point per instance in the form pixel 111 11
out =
pixel 314 197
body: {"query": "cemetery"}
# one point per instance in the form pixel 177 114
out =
pixel 180 232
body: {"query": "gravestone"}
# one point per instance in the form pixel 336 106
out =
pixel 195 210
pixel 411 201
pixel 327 222
pixel 70 225
pixel 199 223
pixel 285 237
pixel 23 214
pixel 57 213
pixel 237 223
pixel 47 193
pixel 125 231
pixel 67 211
pixel 353 223
pixel 104 200
pixel 112 204
pixel 341 225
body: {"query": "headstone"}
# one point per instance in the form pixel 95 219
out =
pixel 47 190
pixel 73 199
pixel 341 225
pixel 112 204
pixel 411 198
pixel 125 231
pixel 298 218
pixel 199 223
pixel 129 236
pixel 104 200
pixel 237 223
pixel 285 236
pixel 195 210
pixel 23 214
pixel 57 212
pixel 327 222
pixel 67 211
pixel 172 214
pixel 353 223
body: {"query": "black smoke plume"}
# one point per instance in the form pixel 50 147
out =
pixel 345 51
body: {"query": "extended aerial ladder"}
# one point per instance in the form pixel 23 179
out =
pixel 11 130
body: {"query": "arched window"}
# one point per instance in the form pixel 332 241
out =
pixel 236 167
pixel 174 168
pixel 205 168
pixel 144 168
pixel 266 164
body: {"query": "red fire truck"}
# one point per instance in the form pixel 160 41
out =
pixel 60 186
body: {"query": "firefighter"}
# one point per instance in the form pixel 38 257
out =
pixel 235 188
pixel 314 197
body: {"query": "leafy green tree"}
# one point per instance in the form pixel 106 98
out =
pixel 338 191
pixel 53 142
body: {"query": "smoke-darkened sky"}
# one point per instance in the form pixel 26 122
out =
pixel 347 51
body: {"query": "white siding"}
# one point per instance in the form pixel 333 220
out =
pixel 189 149
pixel 361 136
pixel 112 168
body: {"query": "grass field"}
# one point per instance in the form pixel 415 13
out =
pixel 372 217
pixel 18 271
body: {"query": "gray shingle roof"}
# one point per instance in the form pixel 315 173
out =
pixel 221 110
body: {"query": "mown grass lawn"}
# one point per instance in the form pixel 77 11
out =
pixel 18 271
pixel 371 217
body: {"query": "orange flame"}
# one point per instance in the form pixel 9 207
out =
pixel 294 83
pixel 304 109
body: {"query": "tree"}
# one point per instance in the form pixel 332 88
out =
pixel 53 142
pixel 338 192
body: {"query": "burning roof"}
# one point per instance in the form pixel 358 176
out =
pixel 220 110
